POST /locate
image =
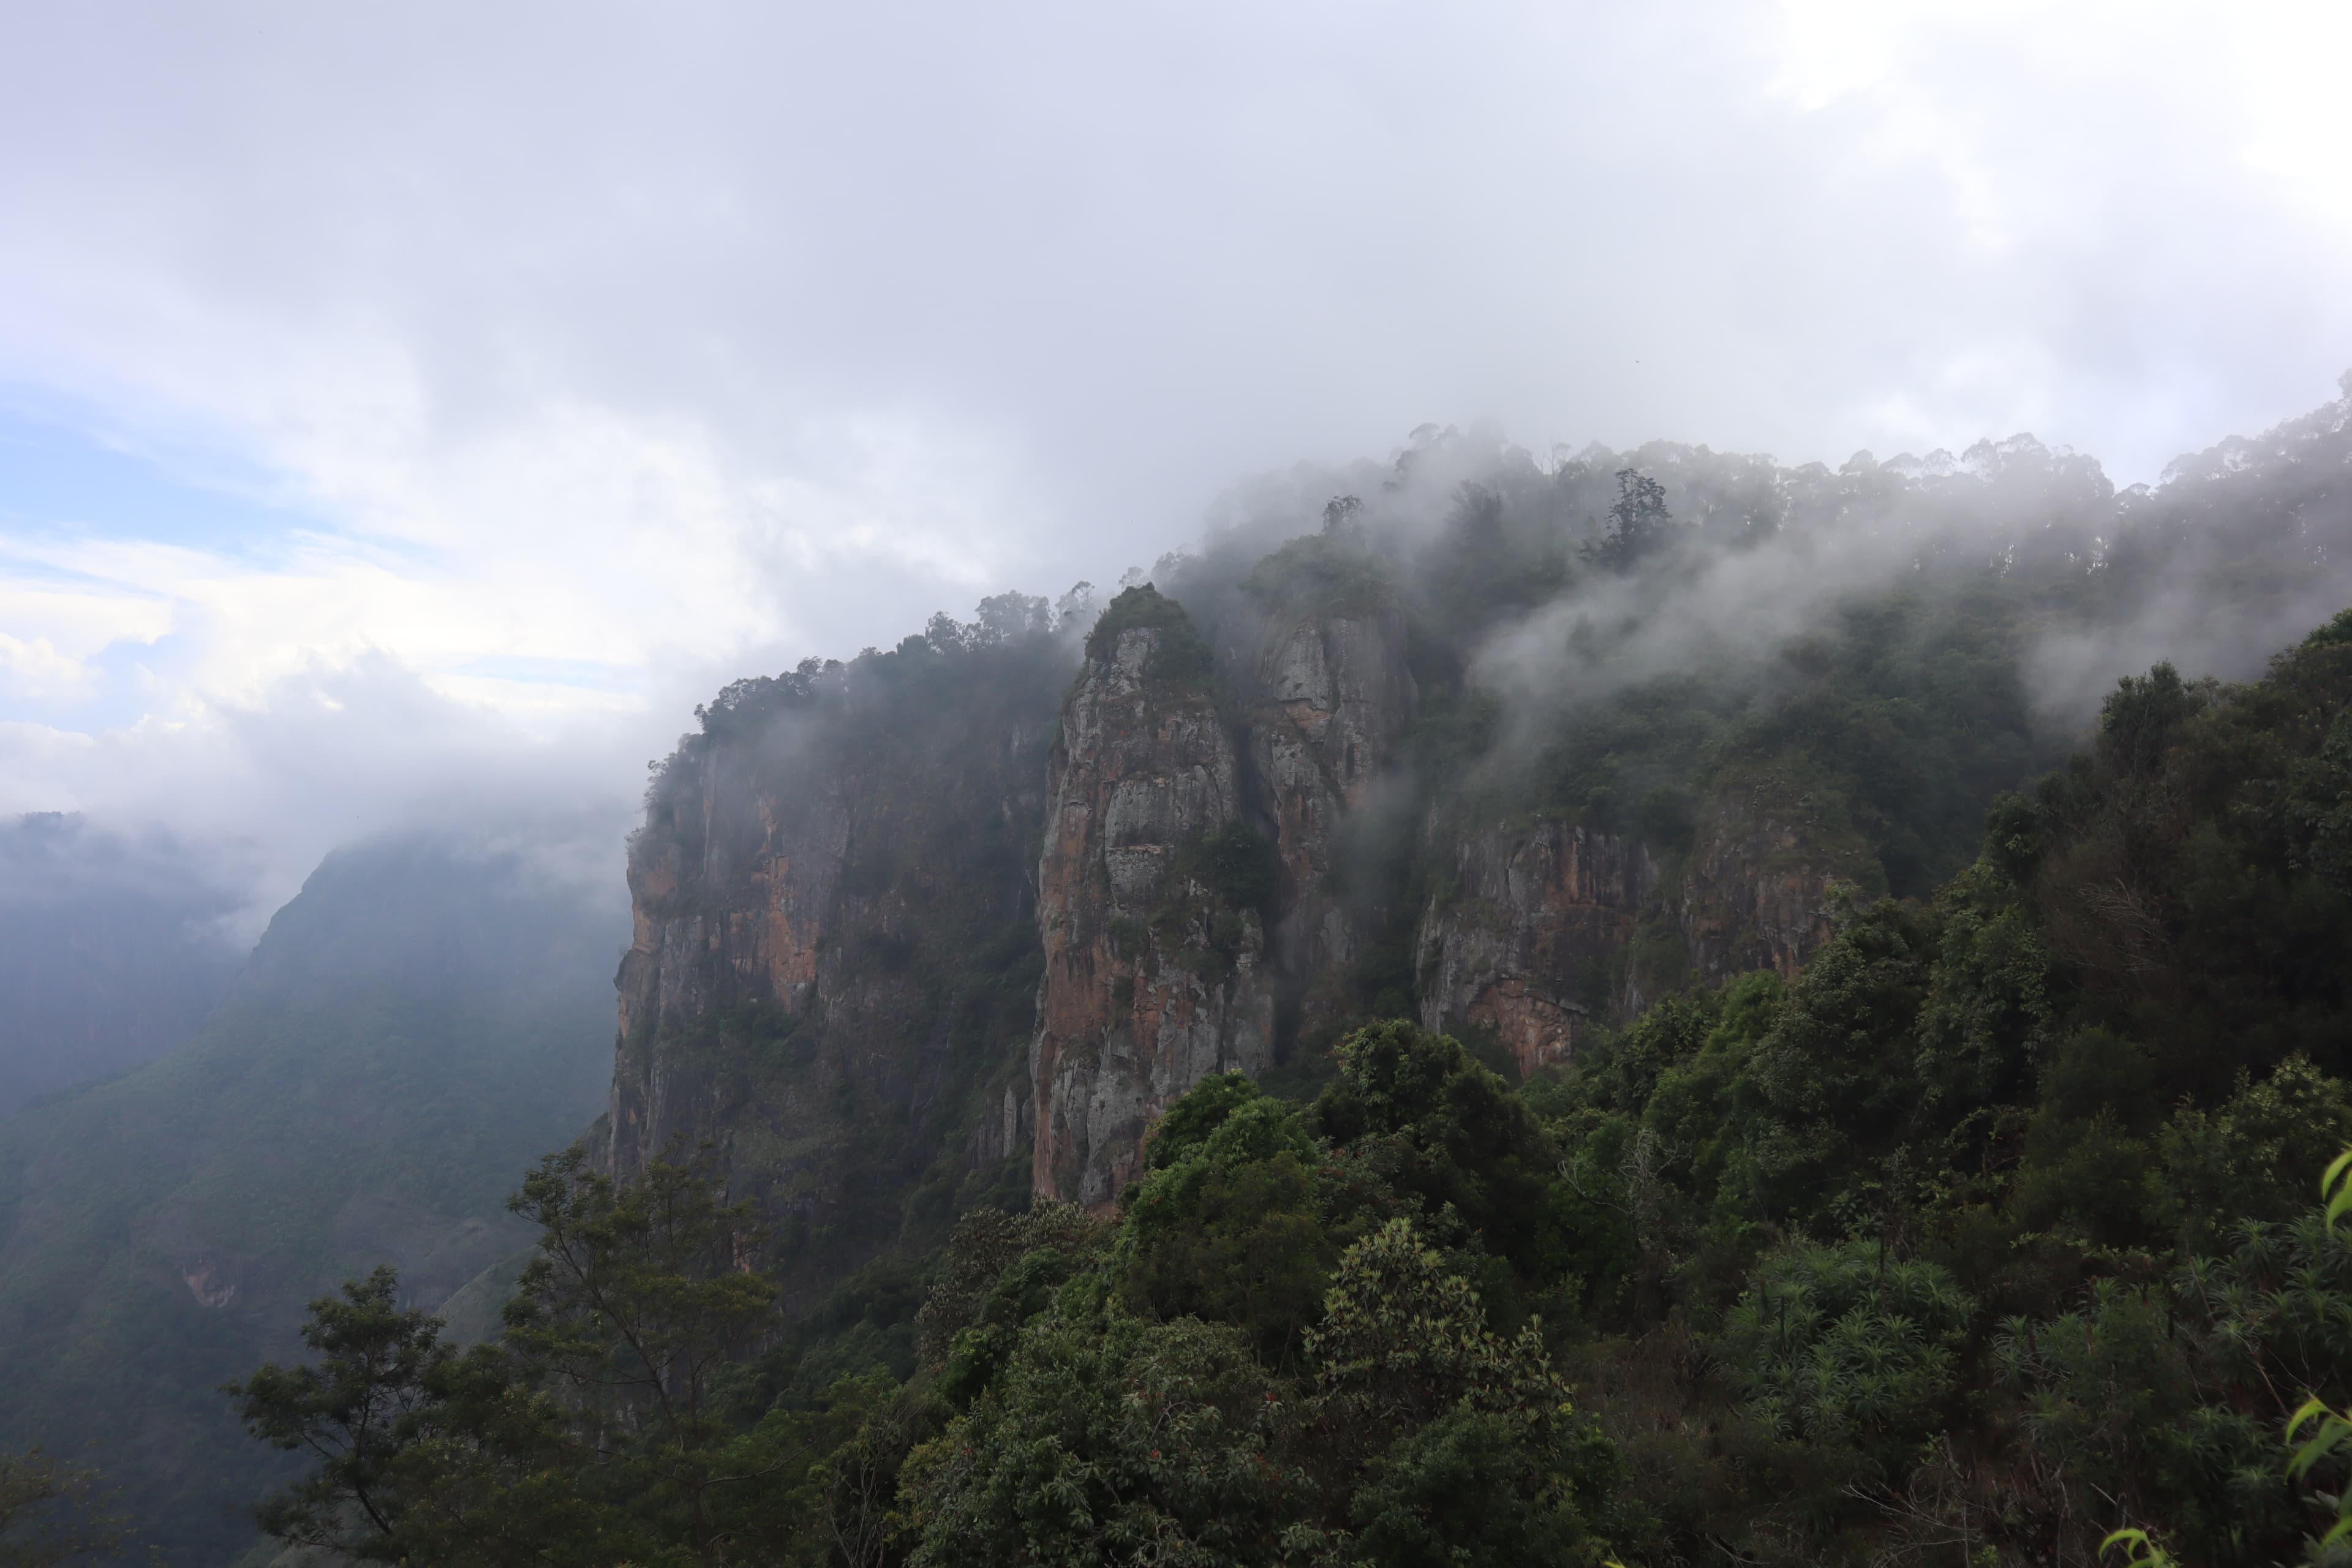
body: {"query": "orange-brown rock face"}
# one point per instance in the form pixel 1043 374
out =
pixel 1555 928
pixel 731 884
pixel 1333 698
pixel 1756 895
pixel 835 959
pixel 1151 981
pixel 1534 945
pixel 843 977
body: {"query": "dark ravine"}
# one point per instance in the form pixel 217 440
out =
pixel 109 953
pixel 417 1026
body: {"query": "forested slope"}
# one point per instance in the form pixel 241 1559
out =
pixel 1670 1121
pixel 419 1022
pixel 1753 1052
pixel 1993 1231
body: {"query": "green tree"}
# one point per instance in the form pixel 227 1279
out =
pixel 586 1434
pixel 380 1413
pixel 1831 1090
pixel 1227 1226
pixel 356 1411
pixel 1454 1444
pixel 1848 1347
pixel 53 1513
pixel 983 1244
pixel 1449 1132
pixel 1638 524
pixel 1109 1439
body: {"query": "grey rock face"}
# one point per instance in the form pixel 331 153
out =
pixel 834 944
pixel 1534 944
pixel 1756 892
pixel 1150 983
pixel 1334 696
pixel 733 892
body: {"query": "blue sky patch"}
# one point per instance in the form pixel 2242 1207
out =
pixel 60 473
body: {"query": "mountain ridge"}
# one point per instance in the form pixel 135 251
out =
pixel 1521 749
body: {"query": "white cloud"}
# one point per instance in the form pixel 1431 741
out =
pixel 612 350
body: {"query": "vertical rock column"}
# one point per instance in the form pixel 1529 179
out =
pixel 731 882
pixel 1154 978
pixel 1333 698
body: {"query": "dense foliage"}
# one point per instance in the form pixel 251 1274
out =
pixel 53 1513
pixel 1995 1226
pixel 1992 1233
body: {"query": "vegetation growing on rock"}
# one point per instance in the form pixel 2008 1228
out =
pixel 1994 1228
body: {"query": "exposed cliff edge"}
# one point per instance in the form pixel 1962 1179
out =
pixel 1153 891
pixel 954 921
pixel 834 953
pixel 733 884
pixel 1756 888
pixel 843 977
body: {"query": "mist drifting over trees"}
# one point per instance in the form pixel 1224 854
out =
pixel 1516 989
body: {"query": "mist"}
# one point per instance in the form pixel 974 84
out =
pixel 112 951
pixel 416 411
pixel 2238 549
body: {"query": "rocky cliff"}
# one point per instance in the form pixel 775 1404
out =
pixel 1544 933
pixel 835 956
pixel 1153 892
pixel 902 929
pixel 733 884
pixel 1536 941
pixel 956 921
pixel 1755 889
pixel 1334 696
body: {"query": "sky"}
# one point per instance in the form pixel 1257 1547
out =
pixel 415 409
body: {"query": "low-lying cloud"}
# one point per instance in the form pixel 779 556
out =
pixel 578 359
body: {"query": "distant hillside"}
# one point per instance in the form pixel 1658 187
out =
pixel 414 1027
pixel 107 954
